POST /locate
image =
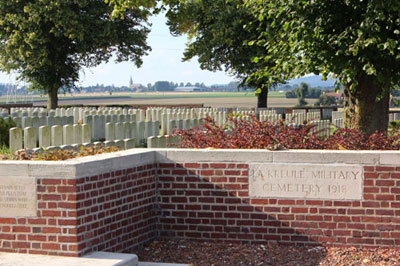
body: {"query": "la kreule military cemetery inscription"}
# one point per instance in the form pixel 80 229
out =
pixel 309 181
pixel 17 197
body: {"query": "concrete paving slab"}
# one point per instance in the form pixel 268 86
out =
pixel 93 259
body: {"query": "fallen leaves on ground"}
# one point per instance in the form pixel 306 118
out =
pixel 215 253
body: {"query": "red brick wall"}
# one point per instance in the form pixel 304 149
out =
pixel 210 201
pixel 120 210
pixel 113 211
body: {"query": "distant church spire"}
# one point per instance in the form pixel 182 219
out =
pixel 130 82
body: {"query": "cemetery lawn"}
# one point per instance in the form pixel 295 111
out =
pixel 211 99
pixel 211 253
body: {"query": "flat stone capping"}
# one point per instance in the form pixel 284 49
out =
pixel 285 156
pixel 93 259
pixel 85 166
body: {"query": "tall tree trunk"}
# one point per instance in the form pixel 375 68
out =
pixel 52 99
pixel 363 109
pixel 262 98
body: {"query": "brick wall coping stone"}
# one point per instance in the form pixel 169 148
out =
pixel 86 166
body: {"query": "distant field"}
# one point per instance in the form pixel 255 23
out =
pixel 212 99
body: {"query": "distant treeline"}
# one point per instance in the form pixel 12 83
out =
pixel 158 86
pixel 312 93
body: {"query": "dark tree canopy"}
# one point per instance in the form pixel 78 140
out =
pixel 218 32
pixel 356 41
pixel 47 42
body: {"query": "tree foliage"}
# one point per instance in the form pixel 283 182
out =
pixel 218 32
pixel 325 100
pixel 356 41
pixel 47 42
pixel 301 93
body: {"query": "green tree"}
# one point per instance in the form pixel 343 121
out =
pixel 325 100
pixel 218 30
pixel 301 93
pixel 291 93
pixel 163 86
pixel 314 93
pixel 47 42
pixel 357 42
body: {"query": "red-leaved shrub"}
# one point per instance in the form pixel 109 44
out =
pixel 254 134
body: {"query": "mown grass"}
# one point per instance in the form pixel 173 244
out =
pixel 159 95
pixel 5 152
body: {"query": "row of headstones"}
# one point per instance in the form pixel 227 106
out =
pixel 299 118
pixel 337 118
pixel 77 112
pixel 394 117
pixel 338 123
pixel 322 128
pixel 3 114
pixel 165 141
pixel 140 131
pixel 272 118
pixel 46 136
pixel 37 122
pixel 337 115
pixel 98 122
pixel 151 114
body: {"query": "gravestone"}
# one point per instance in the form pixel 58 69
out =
pixel 56 135
pixel 30 138
pixel 16 137
pixel 44 136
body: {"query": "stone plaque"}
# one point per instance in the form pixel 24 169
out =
pixel 17 196
pixel 306 181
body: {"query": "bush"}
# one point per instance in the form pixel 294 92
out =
pixel 326 100
pixel 5 125
pixel 265 135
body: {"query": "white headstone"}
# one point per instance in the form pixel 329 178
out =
pixel 30 138
pixel 152 142
pixel 120 144
pixel 110 131
pixel 68 135
pixel 156 128
pixel 77 134
pixel 86 133
pixel 129 143
pixel 97 125
pixel 26 122
pixel 127 130
pixel 44 136
pixel 56 135
pixel 119 131
pixel 15 139
pixel 140 132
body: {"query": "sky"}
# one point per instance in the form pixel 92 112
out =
pixel 162 64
